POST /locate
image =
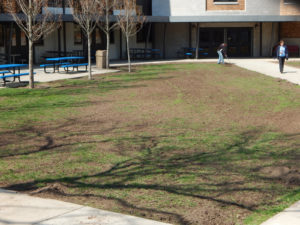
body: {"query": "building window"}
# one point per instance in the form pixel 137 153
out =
pixel 98 37
pixel 292 2
pixel 55 3
pixel 141 36
pixel 1 35
pixel 144 6
pixel 225 0
pixel 77 34
pixel 1 8
pixel 23 39
pixel 40 42
pixel 112 37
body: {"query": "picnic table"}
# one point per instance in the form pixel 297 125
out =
pixel 190 52
pixel 9 71
pixel 12 67
pixel 60 61
pixel 144 53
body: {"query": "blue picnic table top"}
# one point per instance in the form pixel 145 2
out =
pixel 7 66
pixel 57 59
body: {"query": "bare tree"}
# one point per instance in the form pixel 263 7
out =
pixel 107 6
pixel 87 13
pixel 130 20
pixel 35 20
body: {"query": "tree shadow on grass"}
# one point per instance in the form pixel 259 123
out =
pixel 210 164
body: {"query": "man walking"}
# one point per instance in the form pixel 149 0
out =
pixel 282 54
pixel 222 52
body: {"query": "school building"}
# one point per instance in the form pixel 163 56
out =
pixel 250 27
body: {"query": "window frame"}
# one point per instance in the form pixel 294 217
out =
pixel 290 2
pixel 81 34
pixel 226 2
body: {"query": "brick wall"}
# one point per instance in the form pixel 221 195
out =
pixel 290 30
pixel 4 6
pixel 289 9
pixel 210 5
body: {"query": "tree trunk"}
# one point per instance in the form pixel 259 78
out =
pixel 107 35
pixel 10 41
pixel 128 54
pixel 107 49
pixel 89 57
pixel 30 62
pixel 30 58
pixel 197 42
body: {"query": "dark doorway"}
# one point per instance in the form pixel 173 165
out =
pixel 210 39
pixel 238 39
pixel 239 42
pixel 98 39
pixel 98 42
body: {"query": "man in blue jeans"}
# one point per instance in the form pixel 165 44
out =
pixel 282 54
pixel 222 51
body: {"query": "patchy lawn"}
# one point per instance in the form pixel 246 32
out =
pixel 184 144
pixel 293 63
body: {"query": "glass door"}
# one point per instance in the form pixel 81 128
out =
pixel 210 39
pixel 239 42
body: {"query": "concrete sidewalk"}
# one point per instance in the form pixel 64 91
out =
pixel 41 76
pixel 290 216
pixel 270 68
pixel 21 209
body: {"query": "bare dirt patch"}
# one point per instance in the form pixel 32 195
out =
pixel 192 145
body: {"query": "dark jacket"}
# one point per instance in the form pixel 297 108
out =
pixel 223 49
pixel 285 49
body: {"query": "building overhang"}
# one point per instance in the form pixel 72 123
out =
pixel 191 19
pixel 232 18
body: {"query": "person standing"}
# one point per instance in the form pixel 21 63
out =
pixel 282 55
pixel 222 52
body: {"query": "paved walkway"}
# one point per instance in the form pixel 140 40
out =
pixel 41 76
pixel 290 216
pixel 21 209
pixel 270 68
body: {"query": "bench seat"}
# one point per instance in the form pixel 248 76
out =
pixel 52 65
pixel 66 67
pixel 18 75
pixel 4 72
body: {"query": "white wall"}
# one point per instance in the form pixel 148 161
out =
pixel 292 41
pixel 132 44
pixel 51 44
pixel 115 47
pixel 177 36
pixel 198 8
pixel 269 38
